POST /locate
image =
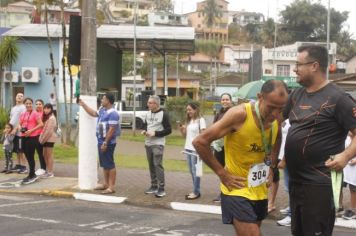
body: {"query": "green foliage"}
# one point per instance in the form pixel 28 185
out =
pixel 124 13
pixel 212 13
pixel 4 118
pixel 176 107
pixel 209 47
pixel 163 5
pixel 9 51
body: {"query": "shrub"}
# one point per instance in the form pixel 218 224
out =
pixel 4 118
pixel 176 108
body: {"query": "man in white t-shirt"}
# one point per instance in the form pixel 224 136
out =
pixel 14 121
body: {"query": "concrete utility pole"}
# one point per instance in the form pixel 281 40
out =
pixel 87 169
pixel 328 40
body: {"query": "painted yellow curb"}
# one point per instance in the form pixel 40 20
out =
pixel 53 193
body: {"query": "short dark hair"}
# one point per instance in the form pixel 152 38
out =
pixel 29 99
pixel 317 53
pixel 270 85
pixel 110 97
pixel 45 117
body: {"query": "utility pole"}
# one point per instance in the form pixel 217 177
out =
pixel 87 169
pixel 328 40
pixel 135 71
pixel 178 79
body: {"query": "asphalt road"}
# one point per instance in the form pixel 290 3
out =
pixel 38 215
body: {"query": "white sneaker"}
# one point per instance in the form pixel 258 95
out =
pixel 285 211
pixel 40 172
pixel 286 221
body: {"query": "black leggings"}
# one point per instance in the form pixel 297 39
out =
pixel 39 149
pixel 29 146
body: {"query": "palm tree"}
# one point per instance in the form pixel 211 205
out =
pixel 212 13
pixel 9 53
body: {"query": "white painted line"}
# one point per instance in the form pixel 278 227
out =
pixel 98 198
pixel 27 203
pixel 345 223
pixel 90 224
pixel 196 208
pixel 13 198
pixel 30 218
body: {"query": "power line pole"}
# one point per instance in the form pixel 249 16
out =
pixel 87 169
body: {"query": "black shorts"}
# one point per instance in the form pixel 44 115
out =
pixel 313 210
pixel 275 174
pixel 46 144
pixel 18 144
pixel 242 209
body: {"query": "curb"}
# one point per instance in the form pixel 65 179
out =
pixel 51 193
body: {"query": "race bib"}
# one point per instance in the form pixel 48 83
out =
pixel 257 175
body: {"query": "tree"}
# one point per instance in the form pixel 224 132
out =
pixel 212 13
pixel 163 5
pixel 307 21
pixel 9 53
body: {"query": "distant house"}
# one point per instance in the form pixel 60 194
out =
pixel 230 83
pixel 199 63
pixel 351 64
pixel 244 18
pixel 167 19
pixel 219 31
pixel 54 15
pixel 346 82
pixel 237 56
pixel 123 10
pixel 15 14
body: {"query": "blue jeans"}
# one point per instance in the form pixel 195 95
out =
pixel 192 160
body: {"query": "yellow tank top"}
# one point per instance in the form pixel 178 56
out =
pixel 243 149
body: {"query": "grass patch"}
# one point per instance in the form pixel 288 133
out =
pixel 173 139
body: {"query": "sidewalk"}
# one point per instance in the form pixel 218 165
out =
pixel 131 184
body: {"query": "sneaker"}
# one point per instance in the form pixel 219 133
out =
pixel 286 221
pixel 40 172
pixel 349 215
pixel 152 189
pixel 4 171
pixel 340 212
pixel 217 199
pixel 8 171
pixel 285 211
pixel 23 170
pixel 16 168
pixel 29 180
pixel 47 175
pixel 160 192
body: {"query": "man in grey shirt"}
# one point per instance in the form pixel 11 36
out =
pixel 14 120
pixel 156 127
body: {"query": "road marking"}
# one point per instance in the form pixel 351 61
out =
pixel 94 223
pixel 196 208
pixel 31 218
pixel 345 223
pixel 13 198
pixel 27 203
pixel 98 198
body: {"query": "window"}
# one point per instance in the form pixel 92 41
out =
pixel 283 70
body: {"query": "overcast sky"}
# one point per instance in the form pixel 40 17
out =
pixel 268 7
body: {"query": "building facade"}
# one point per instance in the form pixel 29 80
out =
pixel 166 19
pixel 15 14
pixel 237 56
pixel 219 31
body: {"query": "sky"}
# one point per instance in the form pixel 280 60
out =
pixel 270 7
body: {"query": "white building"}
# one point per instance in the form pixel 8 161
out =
pixel 280 61
pixel 237 56
pixel 167 19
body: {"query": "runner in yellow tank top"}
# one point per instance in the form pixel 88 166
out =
pixel 244 149
pixel 249 150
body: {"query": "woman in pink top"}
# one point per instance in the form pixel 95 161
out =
pixel 30 127
pixel 39 148
pixel 48 137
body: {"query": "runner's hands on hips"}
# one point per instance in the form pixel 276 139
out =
pixel 232 181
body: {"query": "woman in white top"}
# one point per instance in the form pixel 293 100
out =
pixel 194 125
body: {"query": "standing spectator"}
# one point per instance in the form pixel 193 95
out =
pixel 320 114
pixel 107 130
pixel 39 148
pixel 30 126
pixel 156 127
pixel 218 145
pixel 18 144
pixel 53 102
pixel 194 125
pixel 8 145
pixel 286 221
pixel 252 138
pixel 48 137
pixel 350 179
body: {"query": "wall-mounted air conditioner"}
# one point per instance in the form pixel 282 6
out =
pixel 13 75
pixel 30 74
